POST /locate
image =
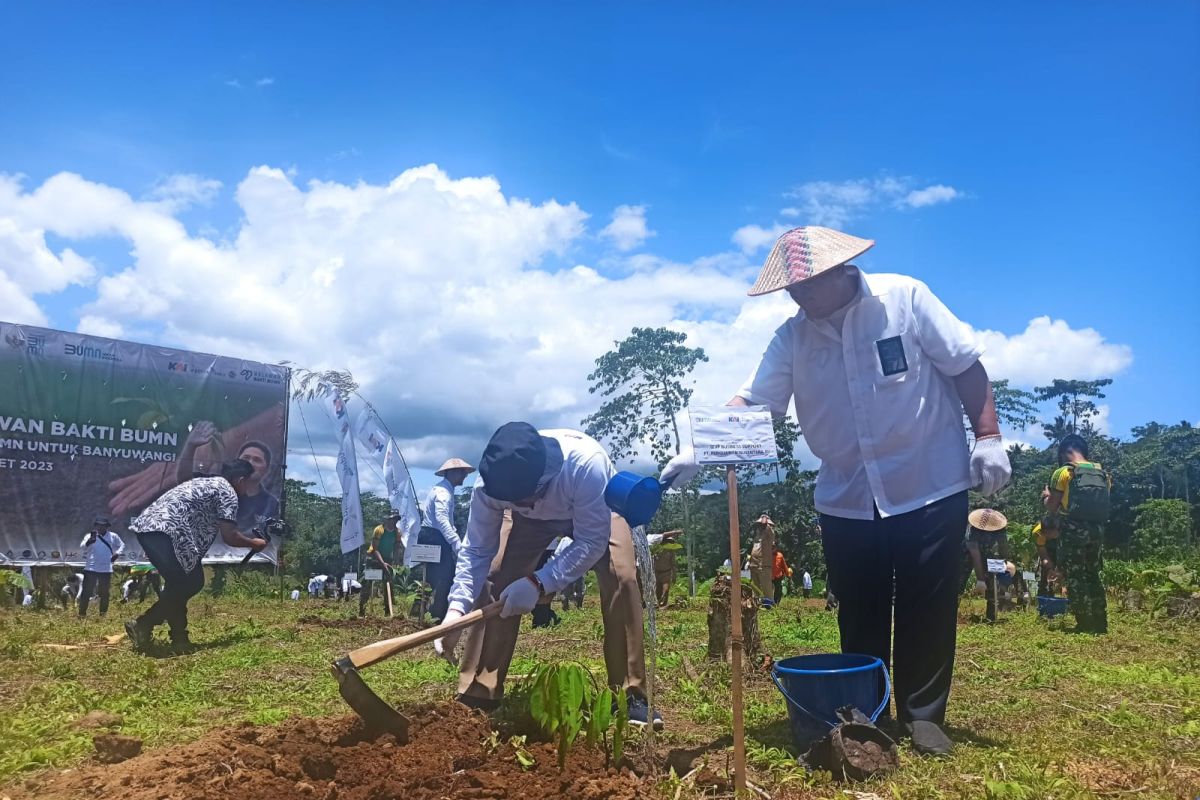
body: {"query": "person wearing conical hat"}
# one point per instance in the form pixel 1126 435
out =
pixel 881 373
pixel 987 539
pixel 438 529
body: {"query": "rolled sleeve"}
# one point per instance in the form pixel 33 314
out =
pixel 591 529
pixel 477 551
pixel 770 384
pixel 947 341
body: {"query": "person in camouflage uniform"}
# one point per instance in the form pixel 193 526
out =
pixel 1079 541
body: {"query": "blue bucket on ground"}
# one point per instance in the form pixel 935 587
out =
pixel 817 686
pixel 633 497
pixel 1051 606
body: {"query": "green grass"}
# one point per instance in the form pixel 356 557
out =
pixel 1036 711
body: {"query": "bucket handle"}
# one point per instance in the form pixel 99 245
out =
pixel 887 694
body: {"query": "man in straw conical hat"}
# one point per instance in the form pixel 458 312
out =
pixel 881 373
pixel 438 529
pixel 987 539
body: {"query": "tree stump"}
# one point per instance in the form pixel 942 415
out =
pixel 720 637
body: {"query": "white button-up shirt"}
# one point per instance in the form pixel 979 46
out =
pixel 98 556
pixel 575 494
pixel 875 400
pixel 439 512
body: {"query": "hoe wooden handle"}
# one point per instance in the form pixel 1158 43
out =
pixel 374 653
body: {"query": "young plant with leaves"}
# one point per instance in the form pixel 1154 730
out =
pixel 565 700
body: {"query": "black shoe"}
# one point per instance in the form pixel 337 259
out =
pixel 139 637
pixel 182 645
pixel 928 738
pixel 639 713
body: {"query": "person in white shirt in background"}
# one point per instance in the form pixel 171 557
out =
pixel 101 548
pixel 807 584
pixel 316 585
pixel 882 374
pixel 536 485
pixel 438 529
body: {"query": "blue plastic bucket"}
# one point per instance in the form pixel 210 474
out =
pixel 817 686
pixel 633 497
pixel 1051 606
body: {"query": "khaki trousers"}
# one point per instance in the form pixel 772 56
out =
pixel 489 648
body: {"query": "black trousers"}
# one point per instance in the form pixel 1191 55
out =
pixel 179 585
pixel 916 558
pixel 439 575
pixel 93 582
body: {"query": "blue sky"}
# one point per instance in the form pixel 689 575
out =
pixel 1067 132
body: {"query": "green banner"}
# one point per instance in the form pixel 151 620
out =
pixel 92 426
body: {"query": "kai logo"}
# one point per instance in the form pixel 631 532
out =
pixel 178 366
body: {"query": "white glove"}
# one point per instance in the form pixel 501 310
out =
pixel 681 469
pixel 446 645
pixel 519 598
pixel 981 588
pixel 990 469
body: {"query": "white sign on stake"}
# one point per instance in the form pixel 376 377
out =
pixel 424 553
pixel 372 574
pixel 995 565
pixel 733 435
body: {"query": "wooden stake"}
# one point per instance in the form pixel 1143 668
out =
pixel 735 629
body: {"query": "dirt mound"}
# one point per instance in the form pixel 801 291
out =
pixel 337 759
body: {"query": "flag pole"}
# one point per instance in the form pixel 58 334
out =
pixel 735 627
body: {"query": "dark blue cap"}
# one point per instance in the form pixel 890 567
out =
pixel 518 462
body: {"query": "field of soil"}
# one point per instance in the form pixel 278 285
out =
pixel 451 753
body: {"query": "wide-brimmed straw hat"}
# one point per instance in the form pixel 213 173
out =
pixel 453 463
pixel 987 519
pixel 804 252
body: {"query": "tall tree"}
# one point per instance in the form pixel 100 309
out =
pixel 643 381
pixel 1016 408
pixel 1077 407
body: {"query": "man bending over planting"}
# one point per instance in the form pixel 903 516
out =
pixel 537 485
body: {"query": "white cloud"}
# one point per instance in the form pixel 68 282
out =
pixel 99 326
pixel 264 81
pixel 1049 349
pixel 233 83
pixel 628 228
pixel 28 265
pixel 434 291
pixel 752 238
pixel 183 190
pixel 441 295
pixel 930 196
pixel 835 203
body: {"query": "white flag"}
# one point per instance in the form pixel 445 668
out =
pixel 347 470
pixel 401 496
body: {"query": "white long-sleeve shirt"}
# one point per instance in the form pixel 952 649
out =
pixel 439 512
pixel 98 556
pixel 576 494
pixel 875 397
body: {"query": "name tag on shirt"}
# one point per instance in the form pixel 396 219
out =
pixel 891 355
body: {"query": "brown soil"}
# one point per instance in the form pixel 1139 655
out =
pixel 337 759
pixel 113 748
